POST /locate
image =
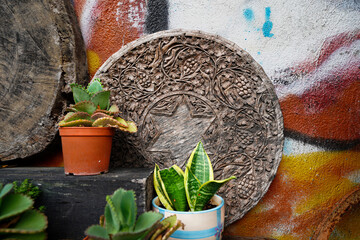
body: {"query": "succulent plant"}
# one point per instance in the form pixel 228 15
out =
pixel 191 190
pixel 92 109
pixel 18 219
pixel 119 221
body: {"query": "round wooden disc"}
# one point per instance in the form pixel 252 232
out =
pixel 181 87
pixel 41 52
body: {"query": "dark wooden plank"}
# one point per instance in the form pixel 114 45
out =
pixel 73 203
pixel 41 53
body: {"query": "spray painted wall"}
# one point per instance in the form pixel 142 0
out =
pixel 311 51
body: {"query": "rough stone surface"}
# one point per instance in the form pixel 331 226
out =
pixel 74 203
pixel 181 87
pixel 41 53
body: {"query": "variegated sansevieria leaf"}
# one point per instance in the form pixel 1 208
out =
pixel 207 191
pixel 160 189
pixel 200 165
pixel 173 179
pixel 192 185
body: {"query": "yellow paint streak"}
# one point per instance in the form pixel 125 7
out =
pixel 323 175
pixel 94 61
pixel 284 237
pixel 303 166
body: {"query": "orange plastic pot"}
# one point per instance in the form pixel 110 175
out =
pixel 86 150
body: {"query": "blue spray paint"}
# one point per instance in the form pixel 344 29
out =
pixel 248 14
pixel 267 27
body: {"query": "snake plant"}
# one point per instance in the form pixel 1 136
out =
pixel 92 109
pixel 191 190
pixel 119 221
pixel 18 219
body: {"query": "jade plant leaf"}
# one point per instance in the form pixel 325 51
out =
pixel 98 115
pixel 5 190
pixel 13 204
pixel 207 191
pixel 101 99
pixel 173 179
pixel 97 232
pixel 131 128
pixel 79 93
pixel 94 86
pixel 105 121
pixel 167 227
pixel 199 163
pixel 122 122
pixel 127 210
pixel 114 109
pixel 85 106
pixel 112 219
pixel 146 221
pixel 72 116
pixel 31 221
pixel 76 123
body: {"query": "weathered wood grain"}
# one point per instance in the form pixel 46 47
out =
pixel 181 87
pixel 41 53
pixel 74 203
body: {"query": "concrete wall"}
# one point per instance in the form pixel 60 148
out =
pixel 311 51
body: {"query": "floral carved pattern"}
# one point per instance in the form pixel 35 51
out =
pixel 182 87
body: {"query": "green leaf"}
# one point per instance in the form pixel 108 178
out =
pixel 72 116
pixel 114 109
pixel 207 191
pixel 14 204
pixel 94 86
pixel 76 123
pixel 147 220
pixel 200 165
pixel 173 179
pixel 5 190
pixel 97 232
pixel 145 223
pixel 129 236
pixel 31 221
pixel 79 93
pixel 112 219
pixel 35 236
pixel 192 185
pixel 101 99
pixel 131 128
pixel 125 204
pixel 85 106
pixel 160 189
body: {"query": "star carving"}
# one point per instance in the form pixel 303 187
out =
pixel 178 133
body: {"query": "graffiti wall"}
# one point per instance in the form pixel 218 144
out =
pixel 310 49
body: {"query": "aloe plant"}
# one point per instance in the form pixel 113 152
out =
pixel 119 221
pixel 191 190
pixel 18 219
pixel 92 109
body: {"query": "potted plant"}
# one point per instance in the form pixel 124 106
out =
pixel 191 196
pixel 87 129
pixel 119 221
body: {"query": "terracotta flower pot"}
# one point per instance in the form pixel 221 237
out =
pixel 206 225
pixel 86 150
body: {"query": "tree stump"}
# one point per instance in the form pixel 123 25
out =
pixel 41 53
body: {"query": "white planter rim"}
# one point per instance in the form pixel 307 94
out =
pixel 160 209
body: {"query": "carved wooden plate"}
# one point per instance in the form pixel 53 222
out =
pixel 184 86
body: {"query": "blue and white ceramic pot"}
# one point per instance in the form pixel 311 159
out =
pixel 205 225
